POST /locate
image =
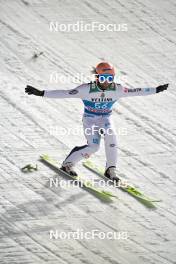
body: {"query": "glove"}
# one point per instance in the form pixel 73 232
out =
pixel 31 90
pixel 161 88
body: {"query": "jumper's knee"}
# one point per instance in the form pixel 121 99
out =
pixel 93 148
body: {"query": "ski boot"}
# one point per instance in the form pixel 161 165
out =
pixel 68 168
pixel 111 173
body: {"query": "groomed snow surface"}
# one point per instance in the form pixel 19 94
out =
pixel 30 126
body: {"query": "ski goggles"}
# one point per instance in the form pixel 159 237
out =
pixel 105 78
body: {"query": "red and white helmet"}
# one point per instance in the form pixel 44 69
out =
pixel 105 68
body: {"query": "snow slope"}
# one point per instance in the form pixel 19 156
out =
pixel 29 208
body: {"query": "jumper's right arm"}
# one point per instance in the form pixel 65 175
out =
pixel 73 93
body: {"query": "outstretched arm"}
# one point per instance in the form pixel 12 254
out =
pixel 73 93
pixel 126 92
pixel 31 90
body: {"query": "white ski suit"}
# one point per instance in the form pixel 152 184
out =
pixel 97 117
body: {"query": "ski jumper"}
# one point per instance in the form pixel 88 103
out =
pixel 98 105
